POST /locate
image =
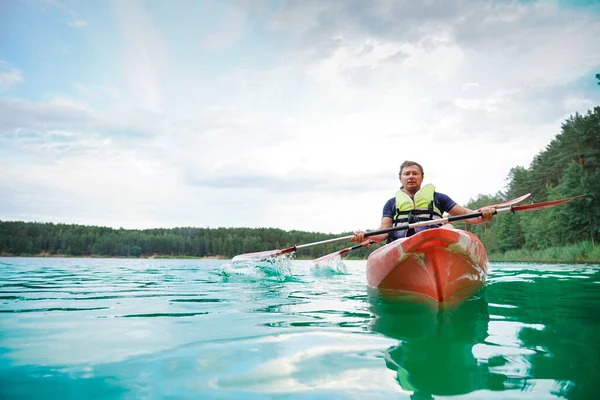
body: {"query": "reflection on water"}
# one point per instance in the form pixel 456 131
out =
pixel 554 313
pixel 434 355
pixel 533 328
pixel 75 328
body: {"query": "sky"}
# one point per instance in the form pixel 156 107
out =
pixel 284 114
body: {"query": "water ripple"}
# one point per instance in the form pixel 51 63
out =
pixel 208 329
pixel 52 309
pixel 156 315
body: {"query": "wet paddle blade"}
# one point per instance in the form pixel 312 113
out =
pixel 262 255
pixel 343 251
pixel 328 257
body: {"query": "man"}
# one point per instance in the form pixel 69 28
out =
pixel 413 203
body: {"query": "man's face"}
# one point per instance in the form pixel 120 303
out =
pixel 411 178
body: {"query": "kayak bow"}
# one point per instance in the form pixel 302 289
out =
pixel 442 265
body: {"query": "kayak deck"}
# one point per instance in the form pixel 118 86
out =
pixel 444 265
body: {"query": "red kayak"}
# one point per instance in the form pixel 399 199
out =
pixel 443 265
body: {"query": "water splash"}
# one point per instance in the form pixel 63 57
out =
pixel 276 268
pixel 330 267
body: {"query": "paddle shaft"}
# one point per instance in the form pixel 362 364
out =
pixel 433 222
pixel 502 207
pixel 405 226
pixel 512 208
pixel 301 246
pixel 415 225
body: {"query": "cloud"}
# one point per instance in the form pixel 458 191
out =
pixel 79 23
pixel 63 127
pixel 9 76
pixel 61 5
pixel 230 30
pixel 20 114
pixel 76 21
pixel 309 129
pixel 145 56
pixel 535 36
pixel 291 182
pixel 518 58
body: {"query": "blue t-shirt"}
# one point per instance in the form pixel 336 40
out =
pixel 441 201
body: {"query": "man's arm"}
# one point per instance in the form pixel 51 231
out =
pixel 488 214
pixel 359 236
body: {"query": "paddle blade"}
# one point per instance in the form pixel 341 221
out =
pixel 544 204
pixel 328 257
pixel 511 202
pixel 343 251
pixel 262 255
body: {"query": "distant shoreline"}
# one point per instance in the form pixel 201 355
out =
pixel 157 257
pixel 120 257
pixel 499 258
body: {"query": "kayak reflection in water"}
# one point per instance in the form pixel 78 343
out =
pixel 414 203
pixel 435 353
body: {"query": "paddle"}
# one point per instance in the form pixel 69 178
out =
pixel 511 208
pixel 324 258
pixel 506 206
pixel 343 251
pixel 274 253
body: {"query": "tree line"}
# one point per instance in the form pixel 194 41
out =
pixel 34 238
pixel 568 166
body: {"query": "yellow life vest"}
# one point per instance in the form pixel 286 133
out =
pixel 420 208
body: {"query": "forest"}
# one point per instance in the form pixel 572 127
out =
pixel 568 166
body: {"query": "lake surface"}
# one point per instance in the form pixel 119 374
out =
pixel 153 329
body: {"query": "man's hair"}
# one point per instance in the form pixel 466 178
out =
pixel 410 163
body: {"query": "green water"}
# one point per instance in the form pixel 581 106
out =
pixel 153 329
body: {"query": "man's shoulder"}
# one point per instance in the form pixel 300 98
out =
pixel 438 195
pixel 389 209
pixel 443 201
pixel 391 203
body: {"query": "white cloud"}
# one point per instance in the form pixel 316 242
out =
pixel 9 76
pixel 79 23
pixel 311 139
pixel 231 29
pixel 144 54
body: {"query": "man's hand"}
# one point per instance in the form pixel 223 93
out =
pixel 359 237
pixel 487 214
